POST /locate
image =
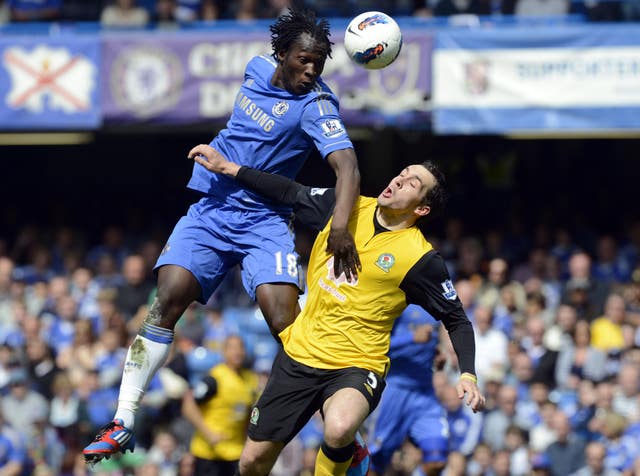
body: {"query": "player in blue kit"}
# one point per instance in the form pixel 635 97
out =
pixel 282 111
pixel 409 407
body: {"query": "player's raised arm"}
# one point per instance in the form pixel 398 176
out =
pixel 340 242
pixel 313 206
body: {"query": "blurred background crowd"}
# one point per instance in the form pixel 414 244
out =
pixel 543 243
pixel 556 318
pixel 149 13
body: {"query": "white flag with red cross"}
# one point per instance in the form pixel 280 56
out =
pixel 48 78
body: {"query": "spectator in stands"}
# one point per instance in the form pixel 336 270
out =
pixel 566 454
pixel 491 294
pixel 34 10
pixel 543 359
pixel 577 359
pixel 80 355
pixel 218 407
pixel 13 455
pixel 480 462
pixel 135 291
pixel 607 331
pixel 561 331
pixel 165 13
pixel 106 272
pixel 543 434
pixel 491 345
pixel 501 465
pixel 68 417
pixel 612 427
pixel 508 314
pixel 625 399
pixel 609 266
pixel 516 442
pixel 217 327
pixel 582 291
pixel 23 406
pixel 41 366
pixel 124 13
pixel 464 425
pixel 594 454
pixel 498 420
pixel 165 453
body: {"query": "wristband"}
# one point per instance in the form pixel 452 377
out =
pixel 468 376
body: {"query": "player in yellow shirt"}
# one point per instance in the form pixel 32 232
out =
pixel 218 407
pixel 334 355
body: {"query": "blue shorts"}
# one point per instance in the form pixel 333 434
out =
pixel 402 414
pixel 213 237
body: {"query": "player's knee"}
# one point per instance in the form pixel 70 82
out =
pixel 253 464
pixel 177 288
pixel 278 304
pixel 338 432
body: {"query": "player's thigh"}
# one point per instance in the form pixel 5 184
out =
pixel 430 430
pixel 389 425
pixel 291 397
pixel 270 257
pixel 350 395
pixel 193 246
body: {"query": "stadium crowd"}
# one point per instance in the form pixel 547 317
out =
pixel 556 316
pixel 163 13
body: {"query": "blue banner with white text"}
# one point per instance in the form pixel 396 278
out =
pixel 558 79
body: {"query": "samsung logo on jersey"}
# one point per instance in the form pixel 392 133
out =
pixel 263 119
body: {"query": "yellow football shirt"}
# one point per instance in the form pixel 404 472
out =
pixel 227 413
pixel 349 324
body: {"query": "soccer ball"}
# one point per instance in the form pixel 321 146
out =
pixel 373 40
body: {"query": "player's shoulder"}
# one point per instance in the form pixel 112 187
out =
pixel 260 66
pixel 321 91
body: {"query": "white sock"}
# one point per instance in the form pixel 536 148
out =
pixel 147 354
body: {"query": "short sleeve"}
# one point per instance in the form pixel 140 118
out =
pixel 205 389
pixel 322 122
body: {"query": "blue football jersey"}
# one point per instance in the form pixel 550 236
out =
pixel 273 130
pixel 412 362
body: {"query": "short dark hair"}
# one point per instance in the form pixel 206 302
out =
pixel 289 26
pixel 436 196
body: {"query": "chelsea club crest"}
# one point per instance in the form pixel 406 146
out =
pixel 280 108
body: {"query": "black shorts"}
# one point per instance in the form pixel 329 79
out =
pixel 206 467
pixel 296 391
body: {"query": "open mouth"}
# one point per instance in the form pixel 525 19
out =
pixel 387 192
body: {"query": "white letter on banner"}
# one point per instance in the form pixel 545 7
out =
pixel 222 60
pixel 216 98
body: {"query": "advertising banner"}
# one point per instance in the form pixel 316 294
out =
pixel 49 83
pixel 572 78
pixel 194 77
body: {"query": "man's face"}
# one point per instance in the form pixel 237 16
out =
pixel 301 65
pixel 407 190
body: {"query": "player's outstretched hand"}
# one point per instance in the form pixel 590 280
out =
pixel 467 385
pixel 213 160
pixel 345 256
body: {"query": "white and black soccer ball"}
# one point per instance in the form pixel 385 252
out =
pixel 373 40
